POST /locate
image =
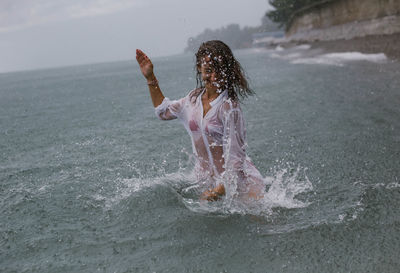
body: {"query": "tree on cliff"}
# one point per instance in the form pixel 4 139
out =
pixel 285 9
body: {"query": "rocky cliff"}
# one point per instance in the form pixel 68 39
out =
pixel 345 19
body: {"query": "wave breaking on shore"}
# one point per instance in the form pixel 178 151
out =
pixel 303 54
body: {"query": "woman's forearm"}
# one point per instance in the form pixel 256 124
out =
pixel 146 66
pixel 155 92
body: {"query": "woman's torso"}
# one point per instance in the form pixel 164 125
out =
pixel 206 131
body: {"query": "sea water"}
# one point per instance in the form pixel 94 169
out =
pixel 92 181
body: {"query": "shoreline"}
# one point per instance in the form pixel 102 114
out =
pixel 389 44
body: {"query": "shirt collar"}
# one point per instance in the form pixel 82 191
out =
pixel 221 96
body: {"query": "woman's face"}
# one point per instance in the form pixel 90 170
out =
pixel 208 74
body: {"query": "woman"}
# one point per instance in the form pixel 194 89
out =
pixel 213 118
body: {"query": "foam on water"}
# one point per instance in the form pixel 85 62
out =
pixel 340 59
pixel 303 54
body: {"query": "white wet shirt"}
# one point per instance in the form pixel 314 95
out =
pixel 218 139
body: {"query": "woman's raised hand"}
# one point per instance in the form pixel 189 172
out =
pixel 147 70
pixel 145 64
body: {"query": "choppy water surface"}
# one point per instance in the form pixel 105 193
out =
pixel 91 181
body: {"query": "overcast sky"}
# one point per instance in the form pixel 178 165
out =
pixel 50 33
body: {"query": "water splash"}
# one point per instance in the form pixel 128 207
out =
pixel 128 187
pixel 285 186
pixel 282 190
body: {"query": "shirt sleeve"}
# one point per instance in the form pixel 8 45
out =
pixel 234 140
pixel 170 109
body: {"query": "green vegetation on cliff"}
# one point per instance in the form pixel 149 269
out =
pixel 286 9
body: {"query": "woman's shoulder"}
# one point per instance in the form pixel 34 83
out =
pixel 193 94
pixel 229 104
pixel 227 107
pixel 195 91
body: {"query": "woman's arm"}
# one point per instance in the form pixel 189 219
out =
pixel 146 67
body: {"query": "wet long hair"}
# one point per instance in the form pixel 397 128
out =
pixel 229 72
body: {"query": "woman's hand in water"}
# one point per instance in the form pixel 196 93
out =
pixel 209 195
pixel 146 66
pixel 213 194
